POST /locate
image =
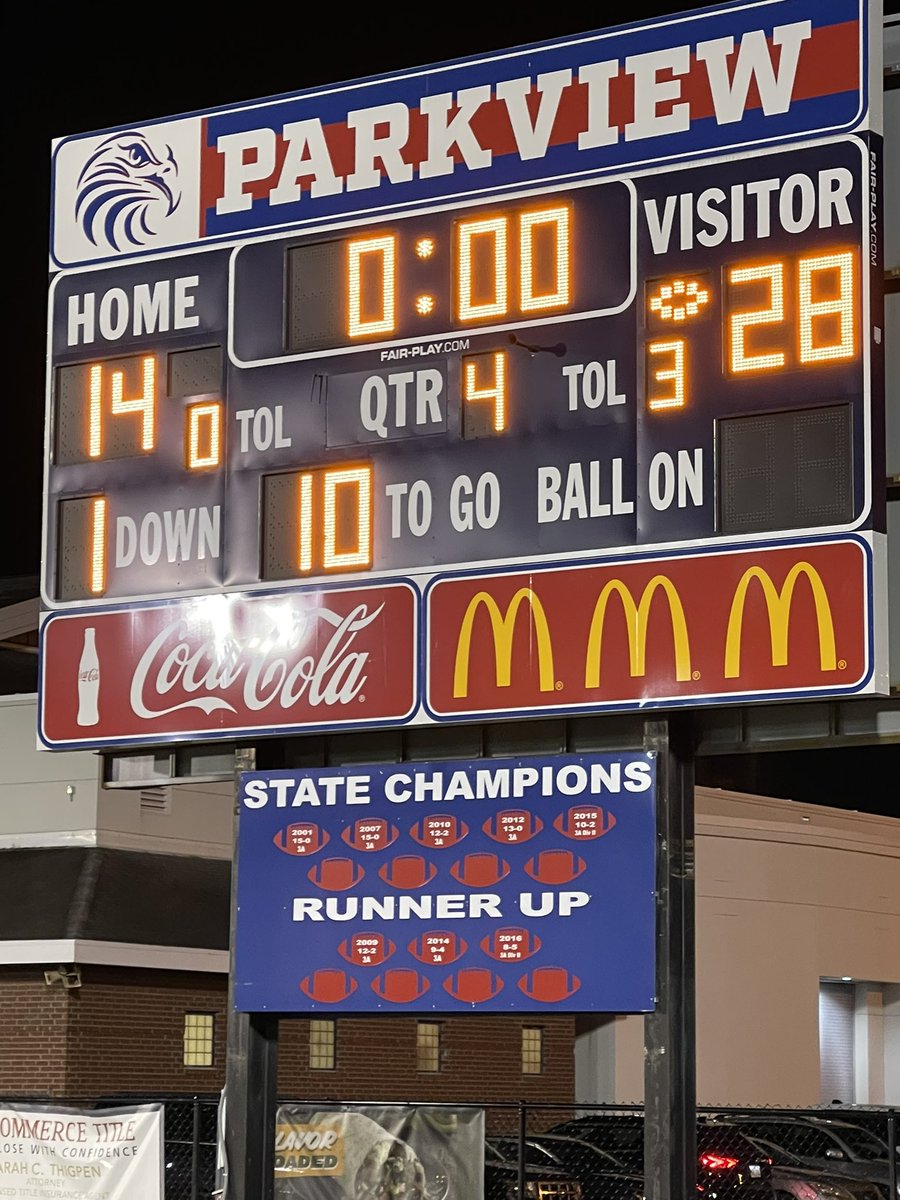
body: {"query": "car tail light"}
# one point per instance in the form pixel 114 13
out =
pixel 717 1162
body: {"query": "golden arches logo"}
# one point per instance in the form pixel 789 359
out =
pixel 778 606
pixel 636 618
pixel 503 627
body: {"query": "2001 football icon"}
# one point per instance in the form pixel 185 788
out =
pixel 555 866
pixel 400 985
pixel 584 822
pixel 328 986
pixel 370 833
pixel 335 874
pixel 303 837
pixel 513 826
pixel 439 832
pixel 408 871
pixel 549 985
pixel 437 946
pixel 366 949
pixel 511 944
pixel 480 870
pixel 473 985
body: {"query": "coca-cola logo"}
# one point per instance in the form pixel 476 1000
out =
pixel 266 669
pixel 91 675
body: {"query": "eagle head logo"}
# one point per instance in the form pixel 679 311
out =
pixel 126 190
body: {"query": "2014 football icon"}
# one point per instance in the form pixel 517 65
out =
pixel 407 871
pixel 328 986
pixel 370 833
pixel 439 831
pixel 513 826
pixel 555 866
pixel 511 944
pixel 437 946
pixel 335 874
pixel 366 949
pixel 584 822
pixel 480 870
pixel 549 985
pixel 301 838
pixel 400 985
pixel 473 985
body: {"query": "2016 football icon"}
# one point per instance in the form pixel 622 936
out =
pixel 511 944
pixel 301 838
pixel 328 986
pixel 513 826
pixel 408 871
pixel 473 985
pixel 400 985
pixel 437 946
pixel 335 874
pixel 439 832
pixel 555 866
pixel 584 822
pixel 366 949
pixel 370 833
pixel 549 985
pixel 480 870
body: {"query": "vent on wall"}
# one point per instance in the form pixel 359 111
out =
pixel 156 799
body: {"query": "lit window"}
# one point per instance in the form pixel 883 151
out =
pixel 199 1031
pixel 321 1045
pixel 532 1050
pixel 428 1046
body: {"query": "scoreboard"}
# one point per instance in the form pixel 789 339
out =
pixel 343 386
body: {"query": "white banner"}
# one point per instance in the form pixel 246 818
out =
pixel 56 1153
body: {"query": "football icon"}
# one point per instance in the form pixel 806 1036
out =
pixel 366 949
pixel 335 874
pixel 303 837
pixel 400 985
pixel 370 833
pixel 473 985
pixel 439 832
pixel 437 946
pixel 549 985
pixel 480 870
pixel 584 822
pixel 328 986
pixel 511 944
pixel 555 866
pixel 513 826
pixel 408 871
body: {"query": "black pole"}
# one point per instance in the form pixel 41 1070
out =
pixel 670 1085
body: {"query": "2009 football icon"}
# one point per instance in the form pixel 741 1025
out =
pixel 303 837
pixel 555 866
pixel 370 833
pixel 407 871
pixel 439 832
pixel 328 986
pixel 473 985
pixel 549 984
pixel 513 826
pixel 511 944
pixel 400 985
pixel 480 870
pixel 437 946
pixel 366 949
pixel 335 874
pixel 584 822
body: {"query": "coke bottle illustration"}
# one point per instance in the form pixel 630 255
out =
pixel 88 680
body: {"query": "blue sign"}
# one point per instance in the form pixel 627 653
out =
pixel 495 885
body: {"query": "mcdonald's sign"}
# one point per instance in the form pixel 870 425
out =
pixel 772 622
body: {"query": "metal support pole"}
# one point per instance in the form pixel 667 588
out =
pixel 250 1069
pixel 670 1084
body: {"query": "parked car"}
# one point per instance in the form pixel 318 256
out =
pixel 602 1176
pixel 793 1180
pixel 729 1165
pixel 546 1182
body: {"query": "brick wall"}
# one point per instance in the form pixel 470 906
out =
pixel 121 1033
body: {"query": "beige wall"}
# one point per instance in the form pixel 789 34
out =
pixel 786 894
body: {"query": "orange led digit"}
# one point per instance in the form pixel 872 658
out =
pixel 773 275
pixel 145 404
pixel 493 229
pixel 557 219
pixel 831 315
pixel 675 374
pixel 95 421
pixel 206 416
pixel 305 521
pixel 364 318
pixel 334 481
pixel 493 393
pixel 98 545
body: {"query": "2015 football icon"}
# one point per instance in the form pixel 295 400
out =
pixel 584 822
pixel 328 986
pixel 480 870
pixel 513 826
pixel 439 831
pixel 473 985
pixel 555 866
pixel 366 949
pixel 407 871
pixel 511 944
pixel 335 874
pixel 437 946
pixel 400 985
pixel 370 833
pixel 549 985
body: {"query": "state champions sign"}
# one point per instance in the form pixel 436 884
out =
pixel 495 885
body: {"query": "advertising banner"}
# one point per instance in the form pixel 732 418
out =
pixel 54 1153
pixel 379 1151
pixel 494 885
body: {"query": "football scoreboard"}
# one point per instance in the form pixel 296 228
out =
pixel 374 362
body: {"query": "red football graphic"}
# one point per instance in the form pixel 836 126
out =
pixel 474 985
pixel 513 826
pixel 400 985
pixel 408 871
pixel 555 866
pixel 335 874
pixel 303 837
pixel 328 986
pixel 366 949
pixel 437 946
pixel 549 984
pixel 370 833
pixel 584 822
pixel 438 832
pixel 511 944
pixel 480 870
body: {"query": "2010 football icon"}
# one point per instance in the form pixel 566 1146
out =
pixel 301 838
pixel 328 986
pixel 400 985
pixel 480 870
pixel 584 822
pixel 366 949
pixel 335 874
pixel 549 985
pixel 439 831
pixel 370 833
pixel 555 866
pixel 437 946
pixel 408 871
pixel 511 944
pixel 473 985
pixel 513 826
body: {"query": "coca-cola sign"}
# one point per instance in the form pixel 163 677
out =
pixel 224 665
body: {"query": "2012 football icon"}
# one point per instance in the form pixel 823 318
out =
pixel 439 831
pixel 513 826
pixel 473 985
pixel 511 944
pixel 549 985
pixel 328 986
pixel 370 833
pixel 366 949
pixel 437 946
pixel 584 822
pixel 335 874
pixel 555 866
pixel 407 871
pixel 400 985
pixel 480 870
pixel 301 838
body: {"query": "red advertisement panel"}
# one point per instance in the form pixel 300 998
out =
pixel 213 665
pixel 751 622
